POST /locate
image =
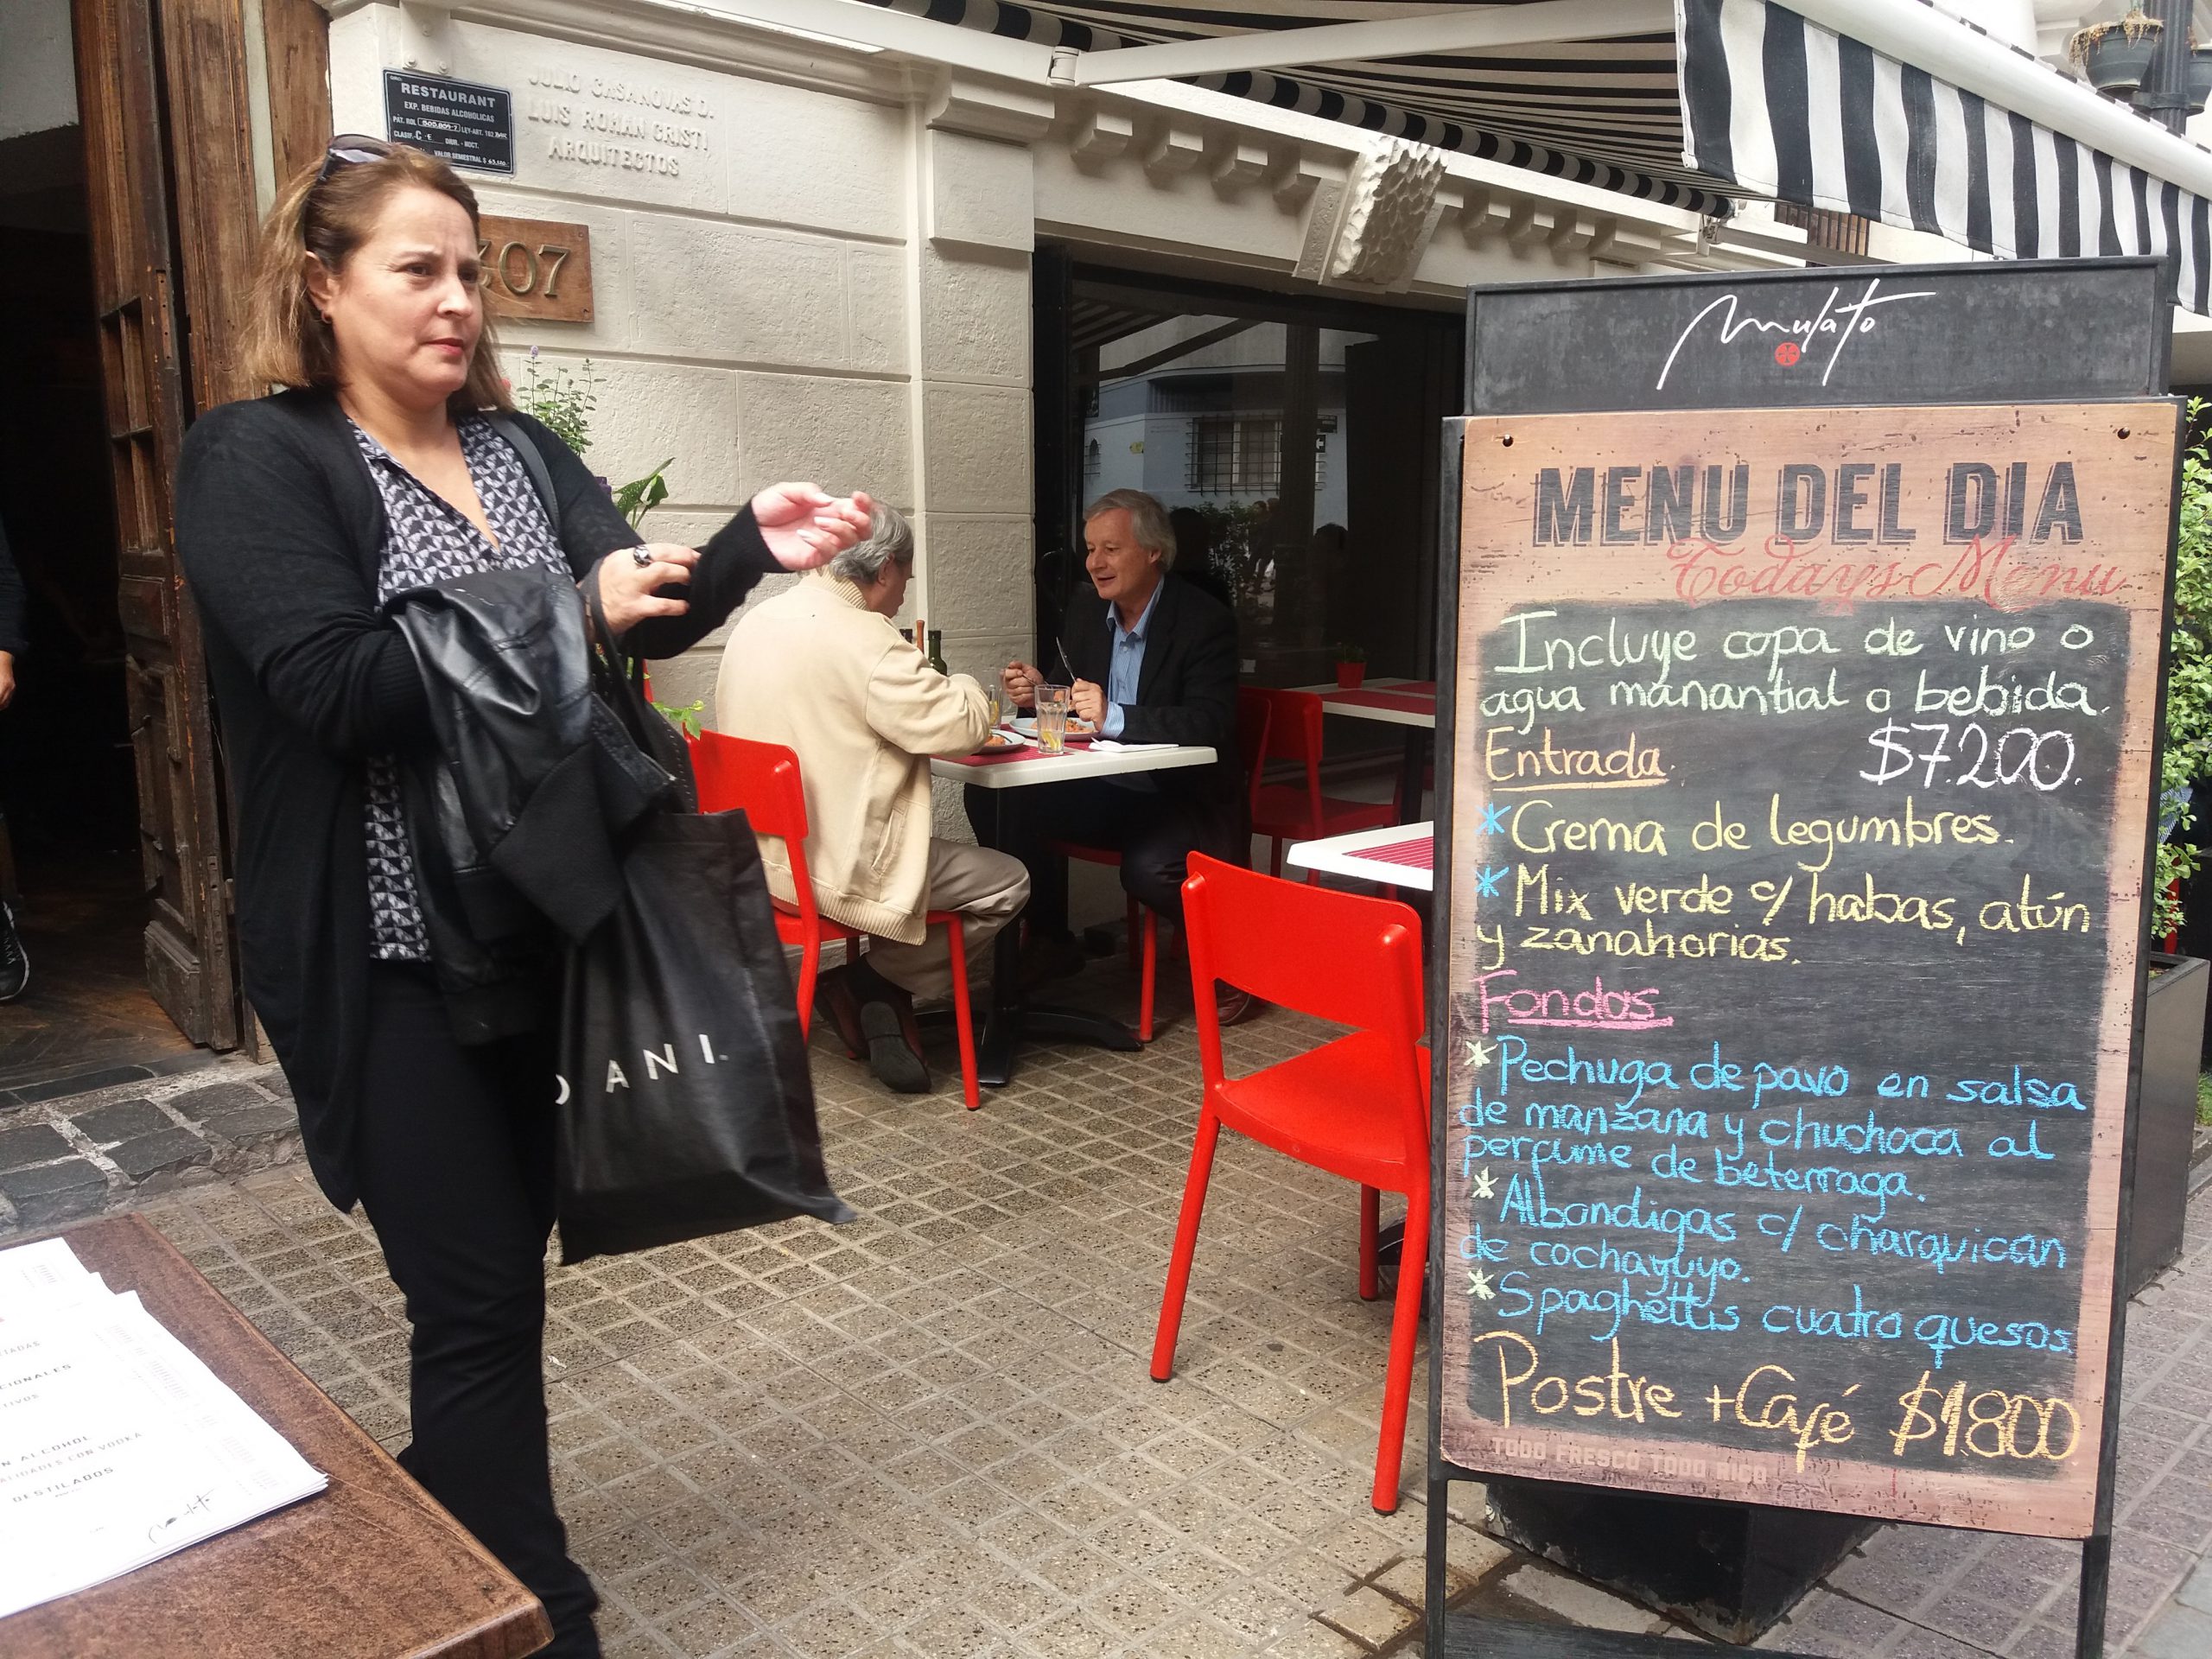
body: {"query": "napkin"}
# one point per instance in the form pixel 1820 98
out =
pixel 1109 746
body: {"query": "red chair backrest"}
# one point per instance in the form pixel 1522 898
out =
pixel 1294 726
pixel 1295 734
pixel 1254 712
pixel 762 781
pixel 1337 956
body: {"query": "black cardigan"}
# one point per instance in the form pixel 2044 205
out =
pixel 1186 691
pixel 14 637
pixel 278 527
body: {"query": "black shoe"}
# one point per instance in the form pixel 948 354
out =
pixel 833 995
pixel 893 1053
pixel 14 961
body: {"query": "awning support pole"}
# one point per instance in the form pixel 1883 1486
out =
pixel 1465 29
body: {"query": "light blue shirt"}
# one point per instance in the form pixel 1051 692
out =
pixel 1127 667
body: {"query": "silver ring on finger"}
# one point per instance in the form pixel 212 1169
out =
pixel 641 558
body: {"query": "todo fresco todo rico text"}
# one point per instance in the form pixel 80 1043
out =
pixel 1668 1230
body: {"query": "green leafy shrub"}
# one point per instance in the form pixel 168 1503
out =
pixel 2186 760
pixel 563 399
pixel 560 397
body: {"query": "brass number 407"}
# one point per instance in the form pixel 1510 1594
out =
pixel 544 261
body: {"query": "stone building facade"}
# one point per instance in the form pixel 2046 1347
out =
pixel 813 260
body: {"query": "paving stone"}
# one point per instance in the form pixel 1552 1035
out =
pixel 121 1119
pixel 2178 1633
pixel 205 1101
pixel 250 1124
pixel 1317 1640
pixel 33 1143
pixel 2196 1591
pixel 1576 1602
pixel 1371 1616
pixel 49 1193
pixel 165 1150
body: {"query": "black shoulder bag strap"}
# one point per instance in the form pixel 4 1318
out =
pixel 616 677
pixel 533 462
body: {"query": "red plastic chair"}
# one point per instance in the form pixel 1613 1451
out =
pixel 1143 925
pixel 1301 812
pixel 1357 1107
pixel 762 780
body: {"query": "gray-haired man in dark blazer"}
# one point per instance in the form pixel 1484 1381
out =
pixel 1151 658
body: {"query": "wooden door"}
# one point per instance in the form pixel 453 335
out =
pixel 189 951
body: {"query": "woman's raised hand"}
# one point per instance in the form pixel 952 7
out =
pixel 629 585
pixel 804 527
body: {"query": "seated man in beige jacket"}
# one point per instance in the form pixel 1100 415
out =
pixel 821 668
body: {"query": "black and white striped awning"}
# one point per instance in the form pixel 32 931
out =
pixel 1602 113
pixel 1785 108
pixel 1744 97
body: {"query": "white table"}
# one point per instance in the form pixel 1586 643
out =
pixel 1416 723
pixel 1010 1017
pixel 1333 701
pixel 1353 855
pixel 1079 761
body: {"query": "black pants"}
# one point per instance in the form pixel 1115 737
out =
pixel 456 1173
pixel 1155 834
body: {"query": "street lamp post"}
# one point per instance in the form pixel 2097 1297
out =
pixel 2164 95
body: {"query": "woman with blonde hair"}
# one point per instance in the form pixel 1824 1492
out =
pixel 393 461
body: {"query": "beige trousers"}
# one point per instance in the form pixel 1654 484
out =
pixel 986 888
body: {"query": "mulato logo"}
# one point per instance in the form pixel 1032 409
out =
pixel 1838 322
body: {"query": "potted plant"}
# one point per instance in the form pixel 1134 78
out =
pixel 2199 77
pixel 1351 667
pixel 2115 56
pixel 2173 1012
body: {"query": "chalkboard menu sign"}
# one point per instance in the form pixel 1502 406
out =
pixel 1802 778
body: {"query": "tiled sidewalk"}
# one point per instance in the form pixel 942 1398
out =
pixel 933 1433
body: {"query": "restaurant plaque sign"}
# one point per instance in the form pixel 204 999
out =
pixel 458 121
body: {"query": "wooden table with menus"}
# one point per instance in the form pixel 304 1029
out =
pixel 371 1566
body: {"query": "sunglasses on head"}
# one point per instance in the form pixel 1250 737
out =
pixel 351 149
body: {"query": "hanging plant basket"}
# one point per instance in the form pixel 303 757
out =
pixel 2200 79
pixel 2116 56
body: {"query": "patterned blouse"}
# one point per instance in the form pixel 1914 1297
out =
pixel 427 540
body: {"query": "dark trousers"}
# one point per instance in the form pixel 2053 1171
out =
pixel 1155 835
pixel 457 1161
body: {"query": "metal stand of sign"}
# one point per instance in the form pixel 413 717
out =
pixel 2113 368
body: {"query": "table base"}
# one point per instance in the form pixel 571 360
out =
pixel 1007 1026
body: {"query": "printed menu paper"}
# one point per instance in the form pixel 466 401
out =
pixel 117 1446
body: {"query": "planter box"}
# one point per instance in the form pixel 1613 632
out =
pixel 1729 1569
pixel 2165 1123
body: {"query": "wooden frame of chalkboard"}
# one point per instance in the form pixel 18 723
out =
pixel 1513 328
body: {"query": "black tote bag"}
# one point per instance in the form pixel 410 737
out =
pixel 686 1107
